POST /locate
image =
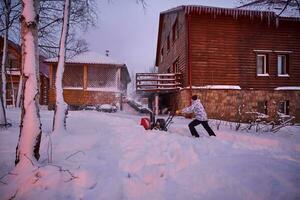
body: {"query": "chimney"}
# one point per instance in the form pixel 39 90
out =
pixel 107 53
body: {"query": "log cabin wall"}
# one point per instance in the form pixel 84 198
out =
pixel 223 51
pixel 177 52
pixel 13 69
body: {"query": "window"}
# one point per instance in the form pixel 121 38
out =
pixel 282 65
pixel 73 77
pixel 161 54
pixel 262 107
pixel 176 66
pixel 261 65
pixel 101 77
pixel 168 42
pixel 283 107
pixel 175 30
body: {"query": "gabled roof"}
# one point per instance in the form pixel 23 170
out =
pixel 88 58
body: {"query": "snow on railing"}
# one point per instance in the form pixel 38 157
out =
pixel 158 82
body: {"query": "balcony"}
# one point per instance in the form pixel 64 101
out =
pixel 154 82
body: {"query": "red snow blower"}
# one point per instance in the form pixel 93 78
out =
pixel 158 124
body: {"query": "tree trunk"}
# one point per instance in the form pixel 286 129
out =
pixel 61 109
pixel 19 94
pixel 3 120
pixel 3 64
pixel 30 126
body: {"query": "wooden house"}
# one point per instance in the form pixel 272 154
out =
pixel 13 74
pixel 237 60
pixel 90 79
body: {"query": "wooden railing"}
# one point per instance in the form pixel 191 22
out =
pixel 154 82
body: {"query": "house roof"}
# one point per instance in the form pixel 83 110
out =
pixel 279 7
pixel 88 58
pixel 261 8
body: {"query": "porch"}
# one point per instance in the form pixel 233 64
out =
pixel 158 87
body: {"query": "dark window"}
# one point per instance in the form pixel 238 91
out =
pixel 282 64
pixel 161 54
pixel 283 107
pixel 176 66
pixel 175 30
pixel 168 42
pixel 73 77
pixel 262 107
pixel 262 64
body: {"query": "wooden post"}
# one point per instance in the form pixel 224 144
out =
pixel 85 78
pixel 51 75
pixel 156 106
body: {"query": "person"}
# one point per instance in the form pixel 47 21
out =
pixel 200 114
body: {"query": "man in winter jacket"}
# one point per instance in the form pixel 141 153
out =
pixel 200 114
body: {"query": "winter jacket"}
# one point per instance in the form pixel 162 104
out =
pixel 198 109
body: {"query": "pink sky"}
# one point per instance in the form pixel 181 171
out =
pixel 130 32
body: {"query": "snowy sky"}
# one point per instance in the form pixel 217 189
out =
pixel 130 33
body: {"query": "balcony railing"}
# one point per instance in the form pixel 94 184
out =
pixel 154 82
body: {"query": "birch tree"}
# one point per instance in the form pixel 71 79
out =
pixel 60 112
pixel 30 127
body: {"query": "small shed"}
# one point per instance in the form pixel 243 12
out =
pixel 90 79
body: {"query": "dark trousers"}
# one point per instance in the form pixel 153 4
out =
pixel 196 122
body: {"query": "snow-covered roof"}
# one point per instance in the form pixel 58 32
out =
pixel 217 87
pixel 88 58
pixel 246 10
pixel 291 10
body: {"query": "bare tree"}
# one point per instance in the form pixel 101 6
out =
pixel 82 15
pixel 283 5
pixel 30 128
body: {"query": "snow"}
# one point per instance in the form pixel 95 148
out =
pixel 89 58
pixel 220 87
pixel 290 11
pixel 288 88
pixel 110 156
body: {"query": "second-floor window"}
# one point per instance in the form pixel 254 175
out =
pixel 168 42
pixel 161 54
pixel 175 30
pixel 261 65
pixel 282 65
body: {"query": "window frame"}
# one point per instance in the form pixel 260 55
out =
pixel 279 68
pixel 265 70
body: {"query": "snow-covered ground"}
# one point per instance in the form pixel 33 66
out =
pixel 110 156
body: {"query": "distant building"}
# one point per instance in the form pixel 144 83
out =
pixel 90 79
pixel 236 60
pixel 13 74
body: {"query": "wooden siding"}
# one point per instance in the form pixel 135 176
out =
pixel 222 51
pixel 178 48
pixel 85 96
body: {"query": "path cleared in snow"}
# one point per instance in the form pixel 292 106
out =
pixel 112 157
